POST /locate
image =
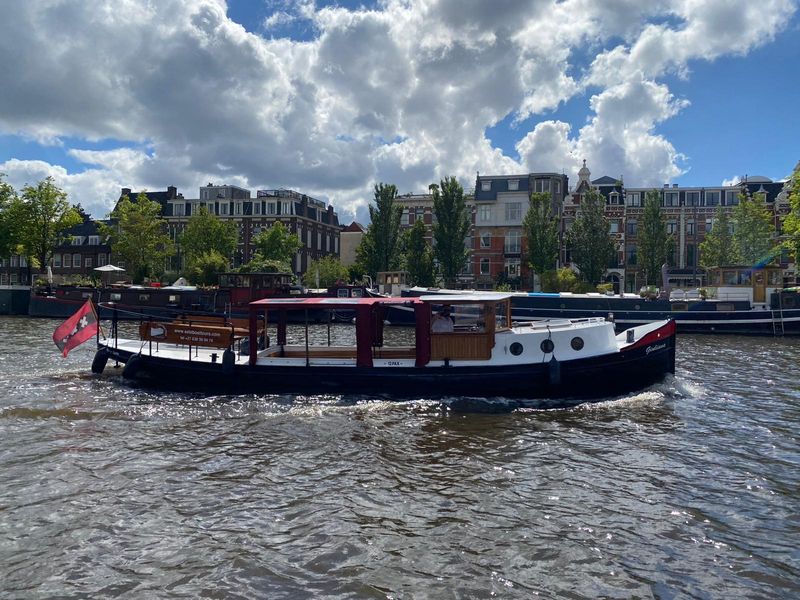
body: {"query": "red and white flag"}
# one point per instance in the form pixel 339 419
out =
pixel 77 329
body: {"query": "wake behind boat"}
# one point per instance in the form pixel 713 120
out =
pixel 476 351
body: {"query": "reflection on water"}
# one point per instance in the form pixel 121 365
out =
pixel 688 489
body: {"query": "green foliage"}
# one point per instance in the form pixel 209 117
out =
pixel 589 239
pixel 8 233
pixel 330 270
pixel 541 228
pixel 451 228
pixel 562 280
pixel 378 248
pixel 718 249
pixel 274 250
pixel 206 268
pixel 41 215
pixel 138 237
pixel 418 256
pixel 754 231
pixel 791 224
pixel 654 245
pixel 206 234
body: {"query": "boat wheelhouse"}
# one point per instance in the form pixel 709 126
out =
pixel 482 354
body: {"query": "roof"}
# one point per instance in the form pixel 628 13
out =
pixel 330 302
pixel 466 298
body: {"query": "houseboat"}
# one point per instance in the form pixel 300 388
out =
pixel 738 300
pixel 482 354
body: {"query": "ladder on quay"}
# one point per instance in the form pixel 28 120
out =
pixel 777 319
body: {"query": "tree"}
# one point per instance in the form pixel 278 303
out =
pixel 325 272
pixel 450 228
pixel 8 234
pixel 205 234
pixel 40 217
pixel 206 268
pixel 589 238
pixel 718 250
pixel 275 248
pixel 654 244
pixel 754 231
pixel 378 248
pixel 419 256
pixel 138 237
pixel 791 224
pixel 541 228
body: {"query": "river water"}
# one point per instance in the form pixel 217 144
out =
pixel 690 489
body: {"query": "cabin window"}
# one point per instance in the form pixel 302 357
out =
pixel 116 297
pixel 678 306
pixel 774 278
pixel 357 293
pixel 174 298
pixel 144 297
pixel 729 278
pixel 725 306
pixel 576 343
pixel 516 348
pixel 86 295
pixel 547 346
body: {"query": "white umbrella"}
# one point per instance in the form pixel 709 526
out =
pixel 108 268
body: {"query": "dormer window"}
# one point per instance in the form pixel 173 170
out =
pixel 77 240
pixel 513 185
pixel 486 185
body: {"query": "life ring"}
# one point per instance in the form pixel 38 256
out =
pixel 100 360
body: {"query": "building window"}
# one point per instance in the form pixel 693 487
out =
pixel 633 227
pixel 270 208
pixel 57 260
pixel 557 187
pixel 613 198
pixel 486 240
pixel 486 185
pixel 541 185
pixel 631 255
pixel 731 197
pixel 484 212
pixel 671 199
pixel 223 208
pixel 514 212
pixel 77 240
pixel 513 242
pixel 692 198
pixel 101 259
pixel 690 227
pixel 285 208
pixel 404 217
pixel 178 209
pixel 633 199
pixel 94 240
pixel 691 256
pixel 87 262
pixel 613 226
pixel 76 261
pixel 513 185
pixel 237 208
pixel 512 267
pixel 712 198
pixel 256 208
pixel 484 266
pixel 672 227
pixel 709 224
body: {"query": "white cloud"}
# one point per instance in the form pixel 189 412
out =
pixel 402 93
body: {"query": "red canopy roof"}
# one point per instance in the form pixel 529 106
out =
pixel 332 303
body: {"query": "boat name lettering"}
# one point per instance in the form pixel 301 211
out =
pixel 393 363
pixel 654 348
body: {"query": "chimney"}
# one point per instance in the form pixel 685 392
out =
pixel 666 185
pixel 125 192
pixel 172 192
pixel 674 185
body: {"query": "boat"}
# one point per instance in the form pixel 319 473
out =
pixel 231 296
pixel 742 300
pixel 560 362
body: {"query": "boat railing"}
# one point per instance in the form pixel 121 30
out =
pixel 554 323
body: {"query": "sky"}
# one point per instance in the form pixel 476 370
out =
pixel 330 98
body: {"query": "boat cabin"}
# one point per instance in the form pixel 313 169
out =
pixel 754 284
pixel 446 328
